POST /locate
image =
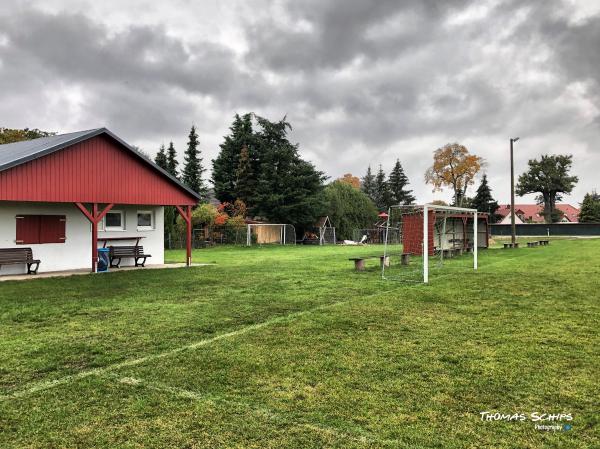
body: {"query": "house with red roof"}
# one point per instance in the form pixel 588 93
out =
pixel 63 197
pixel 534 213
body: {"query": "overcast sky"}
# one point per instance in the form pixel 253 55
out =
pixel 362 82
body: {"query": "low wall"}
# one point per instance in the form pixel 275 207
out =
pixel 570 229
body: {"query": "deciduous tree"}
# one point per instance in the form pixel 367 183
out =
pixel 348 209
pixel 351 180
pixel 10 135
pixel 454 167
pixel 549 177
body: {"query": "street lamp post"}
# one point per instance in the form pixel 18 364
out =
pixel 513 226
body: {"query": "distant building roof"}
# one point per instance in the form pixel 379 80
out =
pixel 535 212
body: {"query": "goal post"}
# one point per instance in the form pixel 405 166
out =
pixel 429 233
pixel 270 234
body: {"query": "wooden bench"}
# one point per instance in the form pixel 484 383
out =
pixel 544 242
pixel 448 253
pixel 14 256
pixel 532 244
pixel 122 252
pixel 510 245
pixel 359 262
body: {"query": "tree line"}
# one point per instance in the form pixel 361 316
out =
pixel 258 165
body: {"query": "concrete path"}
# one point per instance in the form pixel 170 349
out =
pixel 54 274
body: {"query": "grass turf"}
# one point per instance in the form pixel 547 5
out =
pixel 289 347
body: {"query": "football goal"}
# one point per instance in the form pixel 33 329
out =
pixel 326 231
pixel 433 238
pixel 270 234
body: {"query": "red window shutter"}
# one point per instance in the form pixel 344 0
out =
pixel 52 228
pixel 28 229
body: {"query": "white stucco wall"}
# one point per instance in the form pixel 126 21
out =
pixel 76 252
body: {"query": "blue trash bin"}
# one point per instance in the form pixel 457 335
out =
pixel 103 260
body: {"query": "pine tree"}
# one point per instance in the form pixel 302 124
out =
pixel 192 169
pixel 161 158
pixel 289 189
pixel 368 184
pixel 383 194
pixel 483 200
pixel 172 162
pixel 397 184
pixel 225 166
pixel 245 184
pixel 171 214
pixel 590 208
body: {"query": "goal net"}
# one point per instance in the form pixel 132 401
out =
pixel 270 234
pixel 327 235
pixel 434 239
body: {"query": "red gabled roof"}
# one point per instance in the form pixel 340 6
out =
pixel 89 167
pixel 535 212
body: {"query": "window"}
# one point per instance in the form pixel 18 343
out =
pixel 145 219
pixel 114 221
pixel 37 229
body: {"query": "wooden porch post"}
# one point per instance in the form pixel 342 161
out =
pixel 94 237
pixel 189 236
pixel 94 218
pixel 187 217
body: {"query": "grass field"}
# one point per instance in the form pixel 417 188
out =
pixel 288 347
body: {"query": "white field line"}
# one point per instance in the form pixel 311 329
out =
pixel 260 411
pixel 45 385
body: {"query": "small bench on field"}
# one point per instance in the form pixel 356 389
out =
pixel 532 244
pixel 136 252
pixel 510 245
pixel 359 262
pixel 544 242
pixel 14 256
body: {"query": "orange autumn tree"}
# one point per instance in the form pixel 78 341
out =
pixel 350 179
pixel 454 167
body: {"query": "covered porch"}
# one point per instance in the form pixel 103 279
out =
pixel 95 213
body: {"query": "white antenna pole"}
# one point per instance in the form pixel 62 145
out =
pixel 425 246
pixel 475 241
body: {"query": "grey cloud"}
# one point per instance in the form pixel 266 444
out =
pixel 362 82
pixel 79 49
